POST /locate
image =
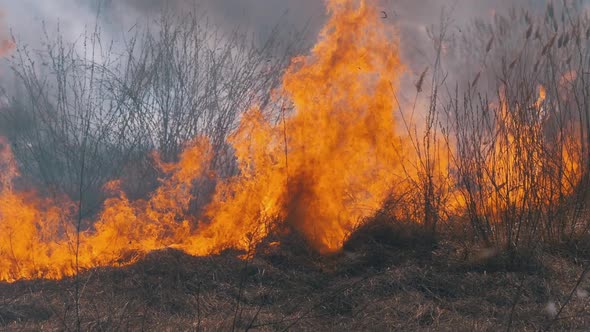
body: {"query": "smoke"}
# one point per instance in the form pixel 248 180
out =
pixel 27 20
pixel 31 21
pixel 25 17
pixel 414 18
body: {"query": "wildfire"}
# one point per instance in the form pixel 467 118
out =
pixel 6 44
pixel 520 172
pixel 38 238
pixel 328 165
pixel 331 161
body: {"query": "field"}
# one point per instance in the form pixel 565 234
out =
pixel 192 178
pixel 372 285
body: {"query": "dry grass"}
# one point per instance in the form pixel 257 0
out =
pixel 390 275
pixel 374 284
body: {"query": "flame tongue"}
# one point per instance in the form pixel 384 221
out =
pixel 340 150
pixel 338 162
pixel 328 163
pixel 38 238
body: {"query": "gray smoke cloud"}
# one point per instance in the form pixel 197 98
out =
pixel 25 19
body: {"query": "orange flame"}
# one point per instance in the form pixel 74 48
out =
pixel 329 164
pixel 331 161
pixel 521 172
pixel 7 45
pixel 38 238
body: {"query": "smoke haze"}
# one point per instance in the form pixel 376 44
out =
pixel 25 19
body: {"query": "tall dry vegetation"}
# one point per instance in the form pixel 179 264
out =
pixel 521 127
pixel 501 154
pixel 504 150
pixel 503 144
pixel 87 112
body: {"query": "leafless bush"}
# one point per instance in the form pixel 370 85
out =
pixel 522 152
pixel 103 108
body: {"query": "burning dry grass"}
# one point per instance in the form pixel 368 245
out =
pixel 330 162
pixel 463 223
pixel 332 155
pixel 434 290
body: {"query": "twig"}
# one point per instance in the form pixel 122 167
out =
pixel 570 297
pixel 514 304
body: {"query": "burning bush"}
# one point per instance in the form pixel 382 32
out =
pixel 318 150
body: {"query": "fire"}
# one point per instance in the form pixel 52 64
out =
pixel 331 161
pixel 328 165
pixel 6 44
pixel 38 238
pixel 521 172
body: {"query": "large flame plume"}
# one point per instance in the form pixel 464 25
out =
pixel 326 166
pixel 330 161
